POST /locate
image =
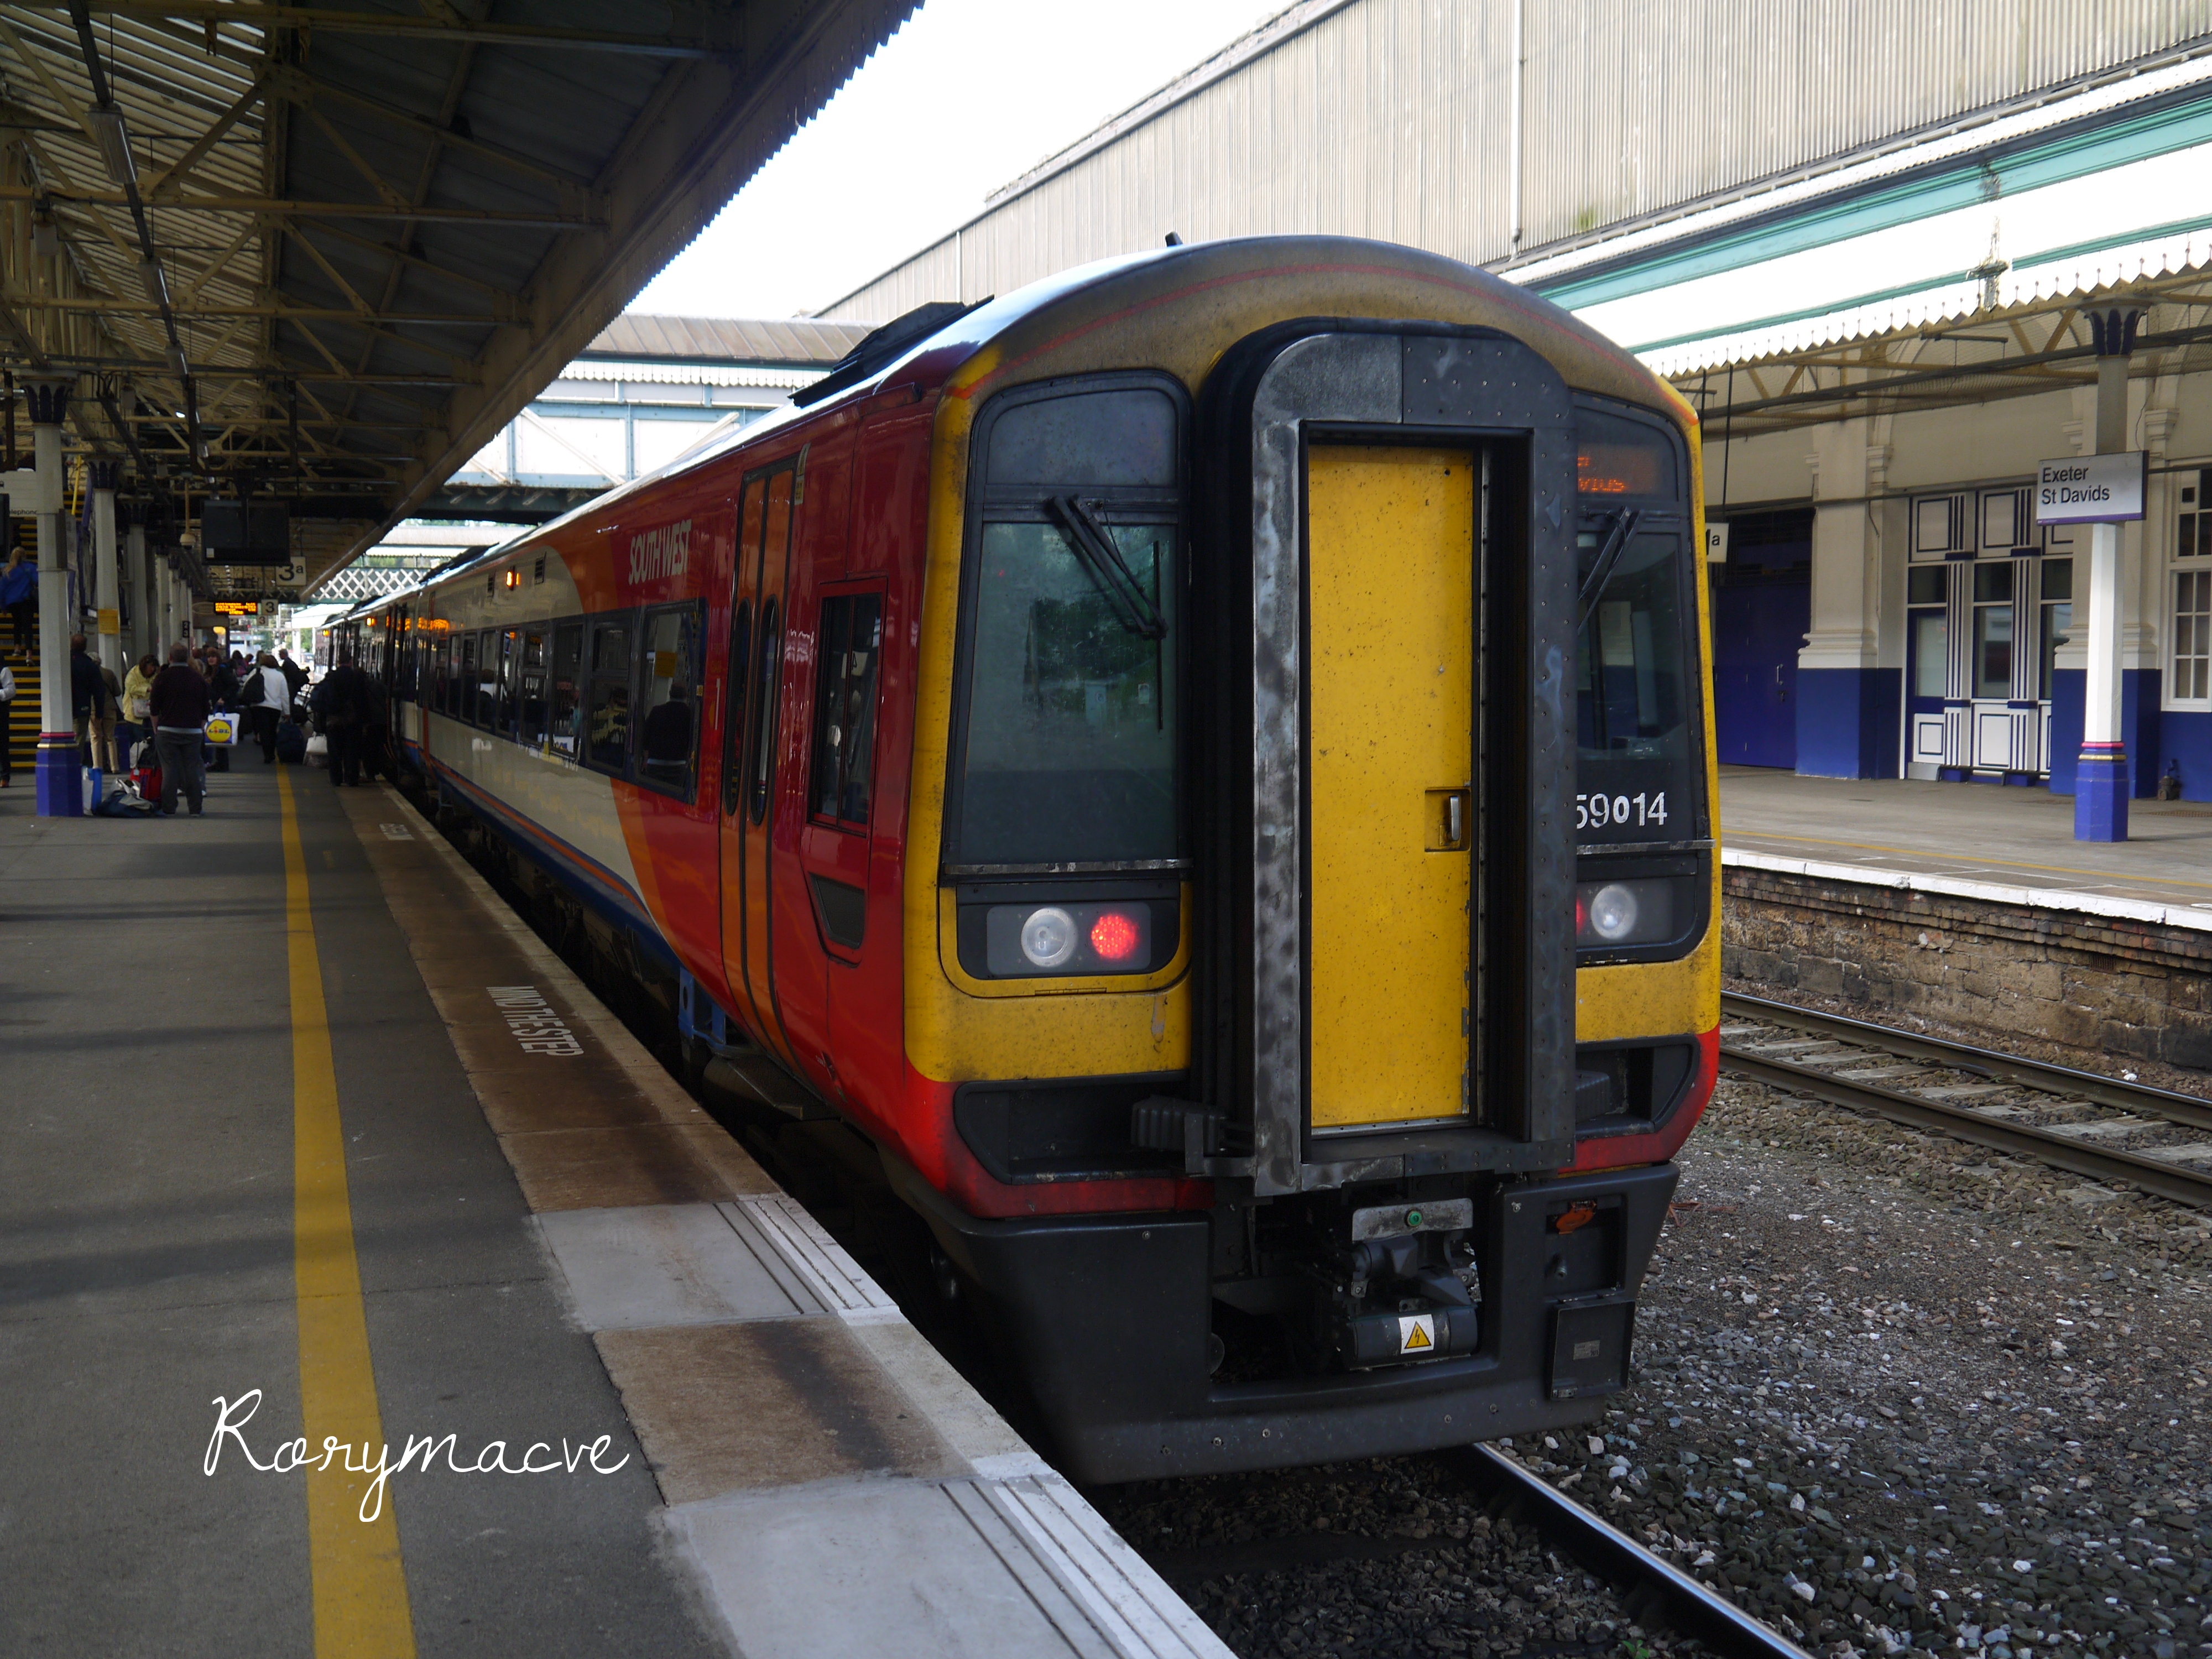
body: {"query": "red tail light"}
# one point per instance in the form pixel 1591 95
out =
pixel 1114 936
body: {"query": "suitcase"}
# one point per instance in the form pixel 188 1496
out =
pixel 147 780
pixel 291 742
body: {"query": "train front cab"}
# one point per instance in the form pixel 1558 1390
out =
pixel 1345 722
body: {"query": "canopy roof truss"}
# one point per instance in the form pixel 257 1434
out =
pixel 2041 344
pixel 326 253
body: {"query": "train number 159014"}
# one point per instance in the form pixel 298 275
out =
pixel 1598 811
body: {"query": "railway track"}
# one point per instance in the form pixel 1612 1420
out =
pixel 2099 1126
pixel 1649 1587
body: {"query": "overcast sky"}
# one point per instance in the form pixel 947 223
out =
pixel 967 96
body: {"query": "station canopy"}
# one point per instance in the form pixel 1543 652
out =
pixel 320 255
pixel 2001 333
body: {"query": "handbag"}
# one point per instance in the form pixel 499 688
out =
pixel 223 730
pixel 318 751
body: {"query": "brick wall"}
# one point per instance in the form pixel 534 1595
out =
pixel 2099 985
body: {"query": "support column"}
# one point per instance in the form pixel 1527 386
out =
pixel 105 477
pixel 61 787
pixel 1847 704
pixel 145 616
pixel 2100 776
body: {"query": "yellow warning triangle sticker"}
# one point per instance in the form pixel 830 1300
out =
pixel 1418 1338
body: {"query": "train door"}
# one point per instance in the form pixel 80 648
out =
pixel 749 737
pixel 1391 711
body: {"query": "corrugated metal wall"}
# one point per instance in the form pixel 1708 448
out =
pixel 1392 118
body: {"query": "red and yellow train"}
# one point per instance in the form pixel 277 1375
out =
pixel 1205 764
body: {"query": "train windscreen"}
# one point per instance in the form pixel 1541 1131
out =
pixel 1068 739
pixel 1639 778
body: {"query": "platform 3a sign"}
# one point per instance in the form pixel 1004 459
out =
pixel 2091 489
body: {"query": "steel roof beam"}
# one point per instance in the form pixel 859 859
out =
pixel 285 208
pixel 244 14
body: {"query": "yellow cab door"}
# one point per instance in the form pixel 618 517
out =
pixel 1390 731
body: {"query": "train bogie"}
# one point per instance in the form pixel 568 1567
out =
pixel 1204 764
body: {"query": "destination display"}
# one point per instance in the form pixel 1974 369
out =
pixel 2091 489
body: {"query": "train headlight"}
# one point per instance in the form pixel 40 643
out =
pixel 1068 938
pixel 1612 916
pixel 1613 911
pixel 1048 937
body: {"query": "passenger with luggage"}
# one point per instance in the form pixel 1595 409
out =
pixel 91 702
pixel 136 725
pixel 179 702
pixel 296 677
pixel 341 708
pixel 375 753
pixel 222 692
pixel 263 694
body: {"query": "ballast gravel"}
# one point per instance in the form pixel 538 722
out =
pixel 1891 1393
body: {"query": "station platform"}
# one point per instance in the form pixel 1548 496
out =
pixel 367 1288
pixel 2007 845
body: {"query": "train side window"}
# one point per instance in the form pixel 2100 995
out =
pixel 486 681
pixel 465 682
pixel 567 684
pixel 607 723
pixel 767 664
pixel 532 667
pixel 845 707
pixel 510 655
pixel 735 680
pixel 668 735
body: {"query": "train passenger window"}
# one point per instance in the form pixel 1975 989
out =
pixel 486 712
pixel 533 683
pixel 465 682
pixel 1067 749
pixel 766 664
pixel 1636 700
pixel 607 720
pixel 668 736
pixel 510 652
pixel 734 681
pixel 845 706
pixel 568 698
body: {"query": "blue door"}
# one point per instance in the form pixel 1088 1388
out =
pixel 1758 629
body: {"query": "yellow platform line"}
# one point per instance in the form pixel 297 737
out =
pixel 360 1583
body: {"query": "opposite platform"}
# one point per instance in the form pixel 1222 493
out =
pixel 298 1111
pixel 2004 846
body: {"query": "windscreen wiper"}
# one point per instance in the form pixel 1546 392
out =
pixel 1132 606
pixel 1608 554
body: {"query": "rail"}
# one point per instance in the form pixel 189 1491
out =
pixel 1983 1125
pixel 1650 1587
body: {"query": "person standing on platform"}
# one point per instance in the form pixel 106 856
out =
pixel 223 691
pixel 19 596
pixel 341 704
pixel 89 701
pixel 7 716
pixel 136 725
pixel 264 696
pixel 296 677
pixel 179 700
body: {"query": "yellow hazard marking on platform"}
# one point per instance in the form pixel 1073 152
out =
pixel 1417 1332
pixel 360 1584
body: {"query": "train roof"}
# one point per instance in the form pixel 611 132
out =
pixel 1116 312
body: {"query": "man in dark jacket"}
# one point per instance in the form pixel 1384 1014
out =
pixel 87 696
pixel 177 703
pixel 222 688
pixel 294 675
pixel 341 714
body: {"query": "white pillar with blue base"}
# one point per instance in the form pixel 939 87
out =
pixel 2101 777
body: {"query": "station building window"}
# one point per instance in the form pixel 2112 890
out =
pixel 2058 616
pixel 1993 631
pixel 2191 680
